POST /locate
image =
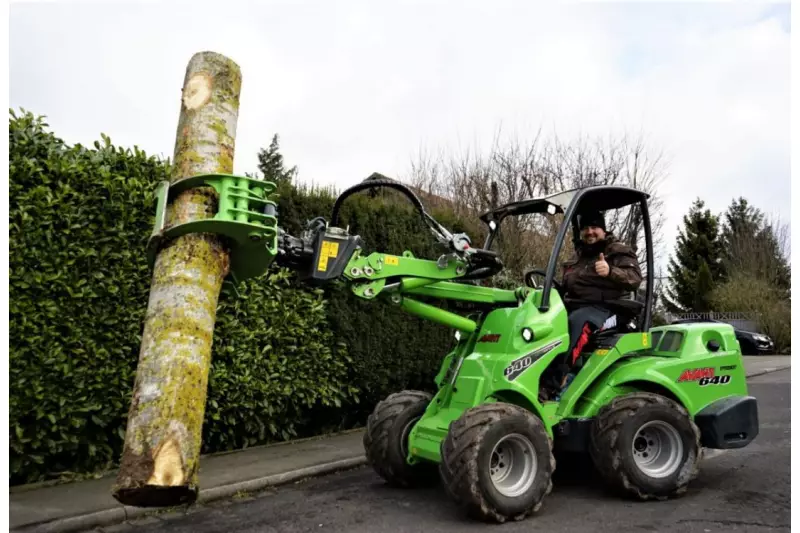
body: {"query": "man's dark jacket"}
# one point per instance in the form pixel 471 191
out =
pixel 581 282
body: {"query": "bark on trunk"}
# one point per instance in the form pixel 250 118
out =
pixel 162 444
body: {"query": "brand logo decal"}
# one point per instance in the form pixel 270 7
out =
pixel 518 366
pixel 696 374
pixel 704 376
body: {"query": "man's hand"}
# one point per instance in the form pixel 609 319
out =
pixel 601 267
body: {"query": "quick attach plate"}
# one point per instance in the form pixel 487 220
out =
pixel 241 219
pixel 332 252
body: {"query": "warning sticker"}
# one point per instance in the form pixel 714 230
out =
pixel 329 249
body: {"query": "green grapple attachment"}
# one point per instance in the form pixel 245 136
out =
pixel 246 216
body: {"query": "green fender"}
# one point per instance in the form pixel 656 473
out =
pixel 546 412
pixel 638 374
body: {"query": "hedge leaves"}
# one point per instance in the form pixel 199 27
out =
pixel 287 360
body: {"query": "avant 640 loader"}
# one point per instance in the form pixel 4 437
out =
pixel 643 403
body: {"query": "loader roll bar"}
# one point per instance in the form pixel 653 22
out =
pixel 571 202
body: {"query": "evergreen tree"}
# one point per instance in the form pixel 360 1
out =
pixel 697 264
pixel 704 284
pixel 271 165
pixel 742 225
pixel 753 247
pixel 741 218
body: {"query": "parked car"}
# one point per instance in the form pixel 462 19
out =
pixel 751 343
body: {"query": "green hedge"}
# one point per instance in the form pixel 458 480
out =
pixel 288 360
pixel 275 360
pixel 78 221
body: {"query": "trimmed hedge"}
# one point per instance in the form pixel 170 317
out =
pixel 288 360
pixel 79 284
pixel 78 222
pixel 275 360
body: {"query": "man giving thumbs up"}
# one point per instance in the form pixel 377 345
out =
pixel 602 269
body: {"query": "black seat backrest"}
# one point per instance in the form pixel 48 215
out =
pixel 629 309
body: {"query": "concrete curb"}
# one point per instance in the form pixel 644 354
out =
pixel 123 513
pixel 768 371
pixel 78 523
pixel 226 491
pixel 113 472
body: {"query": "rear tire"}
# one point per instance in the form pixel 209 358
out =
pixel 386 440
pixel 646 445
pixel 497 462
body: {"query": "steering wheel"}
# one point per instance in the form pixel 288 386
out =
pixel 530 283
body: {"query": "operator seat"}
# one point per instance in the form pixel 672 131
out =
pixel 626 318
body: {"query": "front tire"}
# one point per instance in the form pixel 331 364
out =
pixel 646 445
pixel 386 440
pixel 497 462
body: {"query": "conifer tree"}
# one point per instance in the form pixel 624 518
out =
pixel 697 265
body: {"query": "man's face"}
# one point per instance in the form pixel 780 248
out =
pixel 592 234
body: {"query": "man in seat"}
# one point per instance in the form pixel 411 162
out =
pixel 602 268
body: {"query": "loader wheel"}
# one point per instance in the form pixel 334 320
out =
pixel 386 440
pixel 497 462
pixel 646 445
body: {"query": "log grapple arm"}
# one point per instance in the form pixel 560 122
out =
pixel 247 217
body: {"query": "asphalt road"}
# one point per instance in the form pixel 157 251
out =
pixel 738 490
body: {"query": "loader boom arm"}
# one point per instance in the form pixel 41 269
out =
pixel 247 217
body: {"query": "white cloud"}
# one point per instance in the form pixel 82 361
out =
pixel 359 87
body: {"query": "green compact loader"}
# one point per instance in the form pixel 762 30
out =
pixel 643 402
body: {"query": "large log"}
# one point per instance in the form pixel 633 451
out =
pixel 161 455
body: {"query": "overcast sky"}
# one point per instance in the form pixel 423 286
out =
pixel 357 87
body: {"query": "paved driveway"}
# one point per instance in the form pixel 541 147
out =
pixel 741 490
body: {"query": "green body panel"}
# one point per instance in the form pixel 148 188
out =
pixel 240 217
pixel 679 365
pixel 630 345
pixel 665 369
pixel 480 369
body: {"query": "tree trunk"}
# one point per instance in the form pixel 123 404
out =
pixel 162 443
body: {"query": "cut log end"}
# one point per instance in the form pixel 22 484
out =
pixel 197 92
pixel 168 469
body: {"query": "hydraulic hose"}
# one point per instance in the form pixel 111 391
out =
pixel 483 262
pixel 376 180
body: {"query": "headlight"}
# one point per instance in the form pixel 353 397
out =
pixel 762 338
pixel 527 334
